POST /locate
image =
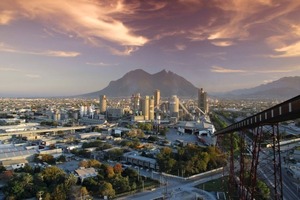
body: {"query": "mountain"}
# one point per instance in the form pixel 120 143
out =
pixel 139 81
pixel 283 88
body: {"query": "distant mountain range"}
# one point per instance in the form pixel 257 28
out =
pixel 169 83
pixel 284 88
pixel 139 81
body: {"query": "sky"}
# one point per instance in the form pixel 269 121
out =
pixel 70 47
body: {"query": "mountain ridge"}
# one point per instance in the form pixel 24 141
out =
pixel 140 81
pixel 283 88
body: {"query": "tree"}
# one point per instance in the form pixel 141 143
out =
pixel 61 158
pixel 131 173
pixel 78 192
pixel 165 160
pixel 2 169
pixel 47 196
pixel 83 163
pixel 20 186
pixel 47 158
pixel 264 191
pixel 152 138
pixel 163 131
pixel 120 184
pixel 53 175
pixel 118 168
pixel 110 172
pixel 91 184
pixel 70 181
pixel 59 193
pixel 106 189
pixel 115 154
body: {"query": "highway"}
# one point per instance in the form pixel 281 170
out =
pixel 46 130
pixel 265 167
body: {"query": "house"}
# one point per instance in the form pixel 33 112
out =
pixel 83 173
pixel 135 159
pixel 14 164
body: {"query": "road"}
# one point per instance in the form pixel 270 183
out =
pixel 176 188
pixel 290 188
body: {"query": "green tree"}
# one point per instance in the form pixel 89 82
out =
pixel 59 193
pixel 47 158
pixel 53 175
pixel 264 191
pixel 91 184
pixel 115 154
pixel 120 184
pixel 165 160
pixel 20 186
pixel 106 189
pixel 47 196
pixel 2 169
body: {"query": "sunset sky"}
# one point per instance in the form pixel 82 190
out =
pixel 69 47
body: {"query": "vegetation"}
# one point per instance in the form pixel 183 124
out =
pixel 190 160
pixel 135 133
pixel 145 126
pixel 97 143
pixel 134 143
pixel 217 185
pixel 218 123
pixel 53 183
pixel 49 123
pixel 81 152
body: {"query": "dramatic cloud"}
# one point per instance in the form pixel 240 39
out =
pixel 180 47
pixel 59 53
pixel 292 50
pixel 255 70
pixel 101 64
pixel 6 48
pixel 126 52
pixel 90 20
pixel 218 69
pixel 222 43
pixel 6 17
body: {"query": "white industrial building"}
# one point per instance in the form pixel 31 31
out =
pixel 89 135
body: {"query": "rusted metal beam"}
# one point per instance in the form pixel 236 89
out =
pixel 287 110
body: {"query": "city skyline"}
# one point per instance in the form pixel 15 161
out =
pixel 55 48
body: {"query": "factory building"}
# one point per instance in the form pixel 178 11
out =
pixel 157 98
pixel 102 103
pixel 145 107
pixel 202 100
pixel 135 102
pixel 174 106
pixel 151 108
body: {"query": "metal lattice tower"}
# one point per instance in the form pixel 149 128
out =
pixel 264 165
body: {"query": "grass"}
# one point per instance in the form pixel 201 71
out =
pixel 217 185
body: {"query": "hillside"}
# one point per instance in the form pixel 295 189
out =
pixel 139 81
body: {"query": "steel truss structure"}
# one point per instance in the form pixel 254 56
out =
pixel 255 164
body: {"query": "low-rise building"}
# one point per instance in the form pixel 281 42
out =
pixel 83 173
pixel 17 153
pixel 136 159
pixel 89 135
pixel 54 152
pixel 14 164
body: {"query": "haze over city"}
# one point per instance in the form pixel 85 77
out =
pixel 54 48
